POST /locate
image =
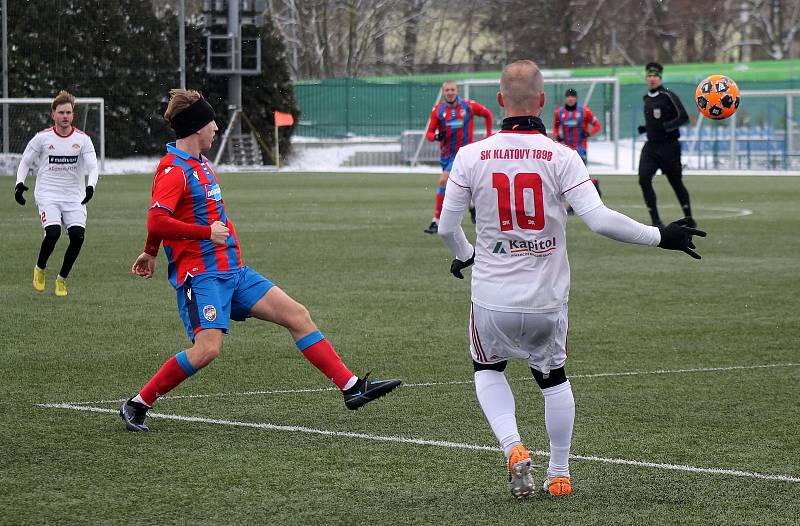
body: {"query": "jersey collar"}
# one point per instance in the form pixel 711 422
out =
pixel 171 148
pixel 71 131
pixel 525 123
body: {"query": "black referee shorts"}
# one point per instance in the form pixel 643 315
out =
pixel 663 155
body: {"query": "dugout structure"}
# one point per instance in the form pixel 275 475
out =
pixel 22 118
pixel 601 94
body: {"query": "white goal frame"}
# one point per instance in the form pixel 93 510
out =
pixel 590 81
pixel 4 102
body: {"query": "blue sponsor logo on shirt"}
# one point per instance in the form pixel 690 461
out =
pixel 214 192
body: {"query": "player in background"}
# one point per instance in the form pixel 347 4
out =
pixel 63 155
pixel 573 124
pixel 520 281
pixel 188 214
pixel 663 116
pixel 451 123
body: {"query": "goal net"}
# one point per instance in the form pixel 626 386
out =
pixel 601 94
pixel 22 118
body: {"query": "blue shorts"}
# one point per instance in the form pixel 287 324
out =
pixel 447 164
pixel 211 300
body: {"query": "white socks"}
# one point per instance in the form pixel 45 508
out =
pixel 350 383
pixel 559 416
pixel 497 402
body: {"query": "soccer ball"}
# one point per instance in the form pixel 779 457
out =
pixel 717 97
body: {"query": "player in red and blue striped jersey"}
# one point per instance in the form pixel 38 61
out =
pixel 573 124
pixel 188 214
pixel 451 123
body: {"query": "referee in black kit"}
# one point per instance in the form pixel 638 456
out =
pixel 663 115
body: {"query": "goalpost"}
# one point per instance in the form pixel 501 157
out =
pixel 24 117
pixel 601 94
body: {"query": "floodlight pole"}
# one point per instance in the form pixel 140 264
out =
pixel 181 41
pixel 235 80
pixel 5 75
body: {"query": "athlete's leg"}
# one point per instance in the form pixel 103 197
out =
pixel 648 164
pixel 491 337
pixel 497 402
pixel 545 338
pixel 673 169
pixel 76 236
pixel 50 216
pixel 559 417
pixel 207 346
pixel 440 194
pixel 51 235
pixel 278 307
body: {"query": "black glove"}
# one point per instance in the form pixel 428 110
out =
pixel 641 129
pixel 678 236
pixel 18 191
pixel 457 266
pixel 89 195
pixel 559 138
pixel 437 136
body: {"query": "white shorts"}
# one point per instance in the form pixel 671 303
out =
pixel 538 338
pixel 68 214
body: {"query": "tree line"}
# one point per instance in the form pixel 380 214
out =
pixel 330 38
pixel 126 51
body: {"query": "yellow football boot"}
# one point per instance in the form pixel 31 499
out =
pixel 61 287
pixel 39 279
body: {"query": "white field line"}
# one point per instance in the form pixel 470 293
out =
pixel 457 382
pixel 436 443
pixel 725 211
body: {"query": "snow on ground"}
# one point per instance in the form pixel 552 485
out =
pixel 315 155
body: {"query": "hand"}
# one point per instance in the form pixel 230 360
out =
pixel 457 266
pixel 438 136
pixel 89 195
pixel 678 236
pixel 219 233
pixel 18 191
pixel 144 266
pixel 559 138
pixel 641 129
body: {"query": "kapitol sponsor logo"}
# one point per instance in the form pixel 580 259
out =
pixel 528 247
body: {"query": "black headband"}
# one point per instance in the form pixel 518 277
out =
pixel 653 69
pixel 192 119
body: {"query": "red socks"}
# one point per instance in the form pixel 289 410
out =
pixel 173 372
pixel 439 202
pixel 322 355
pixel 314 346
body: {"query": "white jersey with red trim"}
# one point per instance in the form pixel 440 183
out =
pixel 62 162
pixel 516 180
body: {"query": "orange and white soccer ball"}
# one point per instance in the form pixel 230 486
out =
pixel 717 97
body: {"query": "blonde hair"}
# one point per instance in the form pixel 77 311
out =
pixel 63 97
pixel 179 100
pixel 449 82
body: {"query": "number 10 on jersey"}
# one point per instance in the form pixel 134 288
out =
pixel 518 184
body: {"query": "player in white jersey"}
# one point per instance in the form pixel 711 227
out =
pixel 520 282
pixel 63 155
